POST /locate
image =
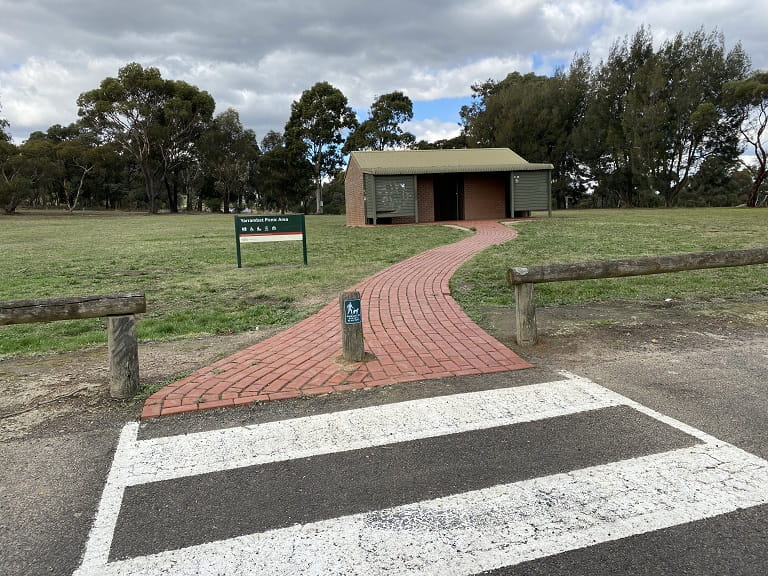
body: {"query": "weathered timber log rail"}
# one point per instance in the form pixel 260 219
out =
pixel 119 309
pixel 523 278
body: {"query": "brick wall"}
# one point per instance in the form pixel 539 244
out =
pixel 484 196
pixel 354 195
pixel 426 197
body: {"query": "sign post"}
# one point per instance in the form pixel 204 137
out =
pixel 353 347
pixel 270 229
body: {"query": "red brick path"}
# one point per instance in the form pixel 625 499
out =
pixel 412 326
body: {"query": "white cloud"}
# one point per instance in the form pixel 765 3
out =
pixel 259 55
pixel 432 129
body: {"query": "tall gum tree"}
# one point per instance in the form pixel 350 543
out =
pixel 320 119
pixel 4 125
pixel 383 130
pixel 536 116
pixel 145 116
pixel 749 100
pixel 674 116
pixel 230 152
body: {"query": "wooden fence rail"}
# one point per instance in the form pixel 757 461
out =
pixel 523 278
pixel 119 309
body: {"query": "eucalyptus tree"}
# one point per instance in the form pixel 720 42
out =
pixel 150 119
pixel 320 119
pixel 383 130
pixel 749 100
pixel 14 186
pixel 4 125
pixel 284 175
pixel 675 116
pixel 27 173
pixel 534 115
pixel 229 153
pixel 186 114
pixel 604 147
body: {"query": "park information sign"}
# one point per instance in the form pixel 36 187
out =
pixel 270 229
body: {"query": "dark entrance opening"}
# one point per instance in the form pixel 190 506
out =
pixel 449 196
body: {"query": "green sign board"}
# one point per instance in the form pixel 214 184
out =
pixel 270 229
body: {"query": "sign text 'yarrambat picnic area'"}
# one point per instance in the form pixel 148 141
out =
pixel 270 229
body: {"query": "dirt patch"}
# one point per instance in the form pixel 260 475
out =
pixel 574 335
pixel 53 394
pixel 58 393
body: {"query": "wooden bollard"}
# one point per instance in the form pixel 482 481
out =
pixel 525 314
pixel 123 356
pixel 353 347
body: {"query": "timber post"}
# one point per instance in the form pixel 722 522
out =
pixel 352 344
pixel 123 356
pixel 525 314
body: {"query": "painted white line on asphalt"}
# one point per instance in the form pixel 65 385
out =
pixel 490 528
pixel 611 396
pixel 192 454
pixel 103 529
pixel 506 524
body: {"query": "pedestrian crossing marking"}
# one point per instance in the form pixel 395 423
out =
pixel 177 456
pixel 463 533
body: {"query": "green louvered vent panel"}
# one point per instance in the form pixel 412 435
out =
pixel 395 196
pixel 369 180
pixel 531 191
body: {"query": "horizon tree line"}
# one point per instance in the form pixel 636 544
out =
pixel 647 126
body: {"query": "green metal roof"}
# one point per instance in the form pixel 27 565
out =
pixel 393 162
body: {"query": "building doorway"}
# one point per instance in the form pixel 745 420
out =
pixel 449 197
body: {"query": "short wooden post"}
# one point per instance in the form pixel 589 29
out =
pixel 123 356
pixel 353 346
pixel 525 314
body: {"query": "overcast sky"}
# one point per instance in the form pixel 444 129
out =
pixel 257 56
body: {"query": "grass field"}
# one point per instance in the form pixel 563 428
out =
pixel 577 236
pixel 186 265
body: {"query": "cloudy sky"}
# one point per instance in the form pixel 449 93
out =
pixel 258 56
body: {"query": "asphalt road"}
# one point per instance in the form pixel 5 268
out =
pixel 597 483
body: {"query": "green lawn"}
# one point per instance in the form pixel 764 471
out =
pixel 576 236
pixel 187 266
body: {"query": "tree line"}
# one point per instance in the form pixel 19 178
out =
pixel 145 142
pixel 644 127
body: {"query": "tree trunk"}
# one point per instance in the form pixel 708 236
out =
pixel 319 176
pixel 172 193
pixel 149 186
pixel 759 179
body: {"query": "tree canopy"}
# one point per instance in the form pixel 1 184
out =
pixel 4 136
pixel 284 175
pixel 633 130
pixel 152 120
pixel 749 99
pixel 230 153
pixel 320 119
pixel 382 130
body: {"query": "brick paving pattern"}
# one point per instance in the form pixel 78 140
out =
pixel 413 330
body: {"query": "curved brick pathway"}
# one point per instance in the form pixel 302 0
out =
pixel 412 326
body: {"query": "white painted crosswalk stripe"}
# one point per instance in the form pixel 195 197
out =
pixel 177 456
pixel 459 534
